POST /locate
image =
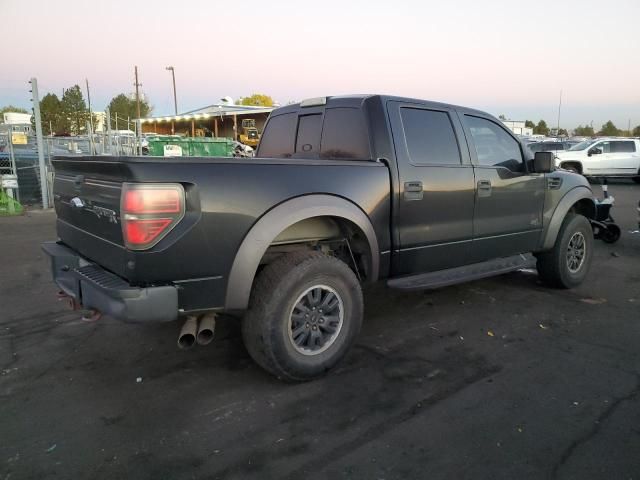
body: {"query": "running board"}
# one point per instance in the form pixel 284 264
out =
pixel 466 273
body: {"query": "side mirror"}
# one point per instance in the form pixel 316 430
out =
pixel 594 151
pixel 543 162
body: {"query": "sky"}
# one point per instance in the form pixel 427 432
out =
pixel 505 57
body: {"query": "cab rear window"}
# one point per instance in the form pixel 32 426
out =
pixel 278 138
pixel 335 134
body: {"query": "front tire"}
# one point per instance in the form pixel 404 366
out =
pixel 567 264
pixel 304 314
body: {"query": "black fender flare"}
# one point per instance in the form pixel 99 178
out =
pixel 564 205
pixel 267 228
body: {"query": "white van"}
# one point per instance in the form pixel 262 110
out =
pixel 603 157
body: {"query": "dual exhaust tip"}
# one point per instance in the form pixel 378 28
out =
pixel 198 330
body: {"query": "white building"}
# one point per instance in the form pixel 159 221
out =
pixel 18 123
pixel 15 118
pixel 517 127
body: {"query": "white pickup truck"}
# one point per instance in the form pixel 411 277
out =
pixel 603 157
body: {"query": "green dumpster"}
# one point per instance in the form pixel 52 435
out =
pixel 168 146
pixel 211 147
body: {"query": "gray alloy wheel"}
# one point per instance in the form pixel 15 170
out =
pixel 304 314
pixel 576 252
pixel 316 319
pixel 566 265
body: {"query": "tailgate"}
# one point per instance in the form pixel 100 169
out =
pixel 87 203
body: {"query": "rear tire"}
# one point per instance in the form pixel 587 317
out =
pixel 304 314
pixel 567 264
pixel 636 179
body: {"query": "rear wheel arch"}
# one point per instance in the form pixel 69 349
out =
pixel 299 220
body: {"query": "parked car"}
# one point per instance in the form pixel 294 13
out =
pixel 551 146
pixel 343 191
pixel 603 157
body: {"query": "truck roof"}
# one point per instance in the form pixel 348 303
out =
pixel 358 100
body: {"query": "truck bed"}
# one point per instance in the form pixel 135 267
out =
pixel 224 198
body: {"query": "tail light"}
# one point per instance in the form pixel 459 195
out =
pixel 149 211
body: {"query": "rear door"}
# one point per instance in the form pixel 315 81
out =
pixel 509 201
pixel 623 157
pixel 436 188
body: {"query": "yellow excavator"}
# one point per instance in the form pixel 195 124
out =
pixel 249 135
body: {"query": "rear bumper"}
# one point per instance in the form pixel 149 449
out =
pixel 95 288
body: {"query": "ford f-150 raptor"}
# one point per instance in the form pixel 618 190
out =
pixel 343 191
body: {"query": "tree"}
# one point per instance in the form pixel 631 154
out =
pixel 53 121
pixel 529 124
pixel 586 131
pixel 73 110
pixel 609 130
pixel 125 107
pixel 636 131
pixel 563 132
pixel 541 128
pixel 257 99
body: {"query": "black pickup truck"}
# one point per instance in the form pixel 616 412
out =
pixel 343 191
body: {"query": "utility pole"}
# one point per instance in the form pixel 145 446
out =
pixel 89 102
pixel 108 112
pixel 559 107
pixel 136 84
pixel 138 133
pixel 44 186
pixel 175 98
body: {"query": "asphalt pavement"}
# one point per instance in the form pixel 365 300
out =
pixel 498 379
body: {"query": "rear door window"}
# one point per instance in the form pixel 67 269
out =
pixel 623 147
pixel 429 137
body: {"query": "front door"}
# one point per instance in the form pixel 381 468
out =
pixel 509 201
pixel 434 219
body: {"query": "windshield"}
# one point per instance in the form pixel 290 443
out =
pixel 582 145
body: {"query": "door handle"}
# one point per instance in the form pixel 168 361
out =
pixel 412 186
pixel 484 188
pixel 413 190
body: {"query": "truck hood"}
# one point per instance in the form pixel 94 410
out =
pixel 568 155
pixel 571 180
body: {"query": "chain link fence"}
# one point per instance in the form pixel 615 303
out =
pixel 19 158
